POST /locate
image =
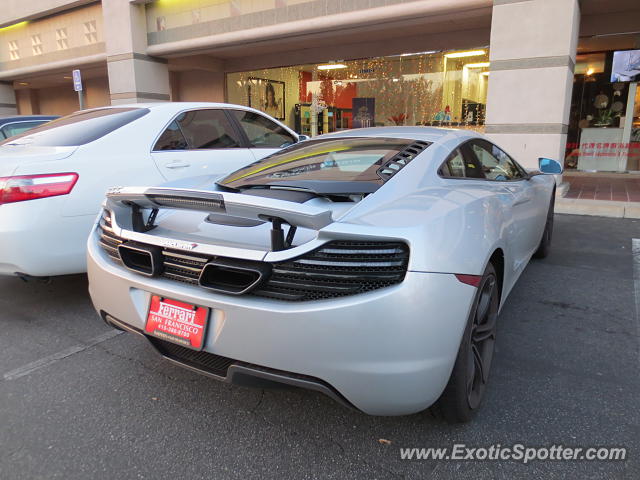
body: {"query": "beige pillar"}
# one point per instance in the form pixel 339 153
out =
pixel 532 54
pixel 197 78
pixel 134 76
pixel 7 99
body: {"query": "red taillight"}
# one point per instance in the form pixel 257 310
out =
pixel 29 187
pixel 473 280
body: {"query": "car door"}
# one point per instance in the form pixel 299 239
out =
pixel 264 135
pixel 200 142
pixel 505 173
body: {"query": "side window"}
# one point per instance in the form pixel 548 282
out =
pixel 459 166
pixel 171 139
pixel 262 132
pixel 496 164
pixel 454 166
pixel 208 129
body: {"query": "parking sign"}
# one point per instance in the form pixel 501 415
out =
pixel 77 81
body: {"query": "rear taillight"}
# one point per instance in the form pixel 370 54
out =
pixel 30 187
pixel 473 280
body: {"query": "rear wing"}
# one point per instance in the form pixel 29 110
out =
pixel 276 211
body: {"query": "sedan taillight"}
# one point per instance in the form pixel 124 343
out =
pixel 30 187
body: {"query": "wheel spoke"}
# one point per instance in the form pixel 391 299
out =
pixel 486 330
pixel 485 301
pixel 471 374
pixel 477 361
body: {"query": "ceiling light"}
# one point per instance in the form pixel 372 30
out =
pixel 429 52
pixel 331 66
pixel 477 65
pixel 469 53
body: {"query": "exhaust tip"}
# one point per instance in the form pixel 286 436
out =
pixel 233 276
pixel 143 259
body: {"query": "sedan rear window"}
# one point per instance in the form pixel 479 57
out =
pixel 354 159
pixel 78 128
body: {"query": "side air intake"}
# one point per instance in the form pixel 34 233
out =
pixel 401 160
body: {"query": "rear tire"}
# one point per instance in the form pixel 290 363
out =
pixel 545 243
pixel 465 390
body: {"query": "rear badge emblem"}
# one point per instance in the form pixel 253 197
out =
pixel 179 245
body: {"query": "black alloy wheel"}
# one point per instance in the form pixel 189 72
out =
pixel 465 390
pixel 482 340
pixel 545 243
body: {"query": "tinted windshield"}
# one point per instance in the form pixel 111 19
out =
pixel 355 159
pixel 78 128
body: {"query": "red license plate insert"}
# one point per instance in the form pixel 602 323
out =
pixel 177 322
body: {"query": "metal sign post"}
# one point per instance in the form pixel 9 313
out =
pixel 77 86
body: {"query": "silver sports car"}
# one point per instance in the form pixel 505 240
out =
pixel 369 265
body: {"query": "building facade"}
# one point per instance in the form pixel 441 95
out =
pixel 534 75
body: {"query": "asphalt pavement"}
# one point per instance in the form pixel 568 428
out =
pixel 79 400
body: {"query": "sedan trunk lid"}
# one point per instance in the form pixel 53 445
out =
pixel 14 156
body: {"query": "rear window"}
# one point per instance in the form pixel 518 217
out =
pixel 78 128
pixel 355 159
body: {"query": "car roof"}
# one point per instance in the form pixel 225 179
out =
pixel 176 105
pixel 427 134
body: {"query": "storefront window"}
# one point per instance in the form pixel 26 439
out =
pixel 428 88
pixel 604 123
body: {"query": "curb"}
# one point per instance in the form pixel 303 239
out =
pixel 600 208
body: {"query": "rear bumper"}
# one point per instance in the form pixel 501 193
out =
pixel 386 352
pixel 229 370
pixel 37 240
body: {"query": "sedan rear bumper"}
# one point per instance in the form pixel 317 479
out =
pixel 35 239
pixel 386 352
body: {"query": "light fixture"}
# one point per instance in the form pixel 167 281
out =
pixel 477 65
pixel 331 66
pixel 468 53
pixel 66 77
pixel 590 71
pixel 395 79
pixel 486 74
pixel 428 52
pixel 23 84
pixel 14 26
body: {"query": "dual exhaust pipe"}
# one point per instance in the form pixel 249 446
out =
pixel 222 275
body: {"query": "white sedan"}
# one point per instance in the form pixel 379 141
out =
pixel 54 178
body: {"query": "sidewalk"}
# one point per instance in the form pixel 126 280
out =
pixel 622 187
pixel 601 194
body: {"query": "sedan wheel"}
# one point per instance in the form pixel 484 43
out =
pixel 466 387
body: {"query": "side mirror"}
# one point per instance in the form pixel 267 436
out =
pixel 302 138
pixel 549 166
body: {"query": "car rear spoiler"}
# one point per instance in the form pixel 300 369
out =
pixel 226 203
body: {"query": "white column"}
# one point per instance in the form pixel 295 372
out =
pixel 7 99
pixel 134 76
pixel 532 54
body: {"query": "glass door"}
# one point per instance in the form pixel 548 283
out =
pixel 632 129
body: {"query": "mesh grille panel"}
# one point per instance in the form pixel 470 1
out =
pixel 337 269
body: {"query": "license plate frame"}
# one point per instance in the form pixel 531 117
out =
pixel 177 322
